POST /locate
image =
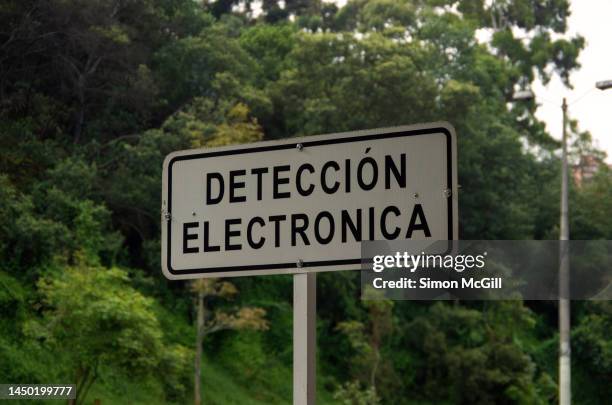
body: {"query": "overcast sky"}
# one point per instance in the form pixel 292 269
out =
pixel 592 20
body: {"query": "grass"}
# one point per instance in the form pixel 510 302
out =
pixel 219 387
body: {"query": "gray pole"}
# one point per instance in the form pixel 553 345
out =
pixel 197 395
pixel 304 338
pixel 565 391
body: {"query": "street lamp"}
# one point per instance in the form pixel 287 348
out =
pixel 565 390
pixel 565 371
pixel 604 84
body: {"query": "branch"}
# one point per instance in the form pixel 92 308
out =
pixel 115 10
pixel 88 385
pixel 208 330
pixel 80 383
pixel 72 65
pixel 18 28
pixel 94 66
pixel 121 138
pixel 133 209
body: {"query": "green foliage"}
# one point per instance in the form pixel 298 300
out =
pixel 245 356
pixel 591 208
pixel 352 394
pixel 175 366
pixel 339 82
pixel 469 357
pixel 95 94
pixel 269 45
pixel 212 65
pixel 95 319
pixel 27 239
pixel 366 342
pixel 592 349
pixel 103 321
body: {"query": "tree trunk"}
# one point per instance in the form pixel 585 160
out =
pixel 374 368
pixel 78 125
pixel 77 381
pixel 198 355
pixel 80 114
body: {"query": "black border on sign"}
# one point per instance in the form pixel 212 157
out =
pixel 291 145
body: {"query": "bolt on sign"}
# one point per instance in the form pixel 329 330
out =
pixel 305 204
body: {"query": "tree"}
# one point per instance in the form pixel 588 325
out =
pixel 93 319
pixel 130 167
pixel 131 81
pixel 469 356
pixel 352 393
pixel 593 348
pixel 83 53
pixel 367 341
pixel 208 322
pixel 591 207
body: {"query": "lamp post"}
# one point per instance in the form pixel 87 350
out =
pixel 565 375
pixel 565 370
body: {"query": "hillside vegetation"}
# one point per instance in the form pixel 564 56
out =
pixel 94 95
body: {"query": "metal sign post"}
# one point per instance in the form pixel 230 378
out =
pixel 304 338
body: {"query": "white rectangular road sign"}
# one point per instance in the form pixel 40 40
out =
pixel 304 204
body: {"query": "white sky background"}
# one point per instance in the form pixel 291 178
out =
pixel 591 19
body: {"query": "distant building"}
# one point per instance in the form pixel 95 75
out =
pixel 586 168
